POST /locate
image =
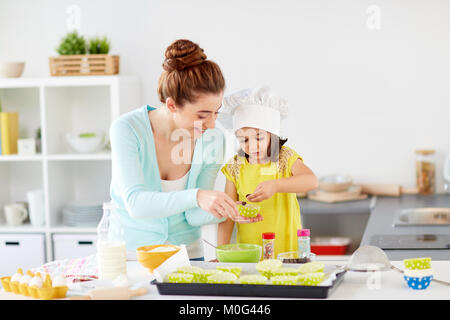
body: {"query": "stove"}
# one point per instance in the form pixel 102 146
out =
pixel 410 242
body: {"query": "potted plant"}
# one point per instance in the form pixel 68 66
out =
pixel 77 57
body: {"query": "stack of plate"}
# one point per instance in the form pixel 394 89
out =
pixel 82 214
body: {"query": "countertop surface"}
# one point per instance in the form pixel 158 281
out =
pixel 355 285
pixel 382 217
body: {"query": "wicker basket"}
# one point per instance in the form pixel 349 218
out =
pixel 84 65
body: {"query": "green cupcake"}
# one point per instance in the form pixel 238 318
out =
pixel 222 277
pixel 253 279
pixel 176 277
pixel 311 267
pixel 249 210
pixel 268 267
pixel 285 271
pixel 311 279
pixel 234 270
pixel 284 280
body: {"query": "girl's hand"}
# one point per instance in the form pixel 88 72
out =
pixel 218 203
pixel 263 191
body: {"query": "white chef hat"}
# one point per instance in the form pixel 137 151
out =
pixel 257 108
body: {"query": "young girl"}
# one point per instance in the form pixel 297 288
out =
pixel 264 172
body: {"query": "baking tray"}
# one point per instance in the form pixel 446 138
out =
pixel 248 290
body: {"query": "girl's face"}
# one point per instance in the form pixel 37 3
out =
pixel 254 142
pixel 197 117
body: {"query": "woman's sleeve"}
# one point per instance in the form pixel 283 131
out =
pixel 128 173
pixel 206 180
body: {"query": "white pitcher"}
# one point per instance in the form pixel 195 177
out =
pixel 447 173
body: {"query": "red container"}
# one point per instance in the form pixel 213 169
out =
pixel 330 245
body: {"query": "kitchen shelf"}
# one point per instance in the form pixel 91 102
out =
pixel 59 105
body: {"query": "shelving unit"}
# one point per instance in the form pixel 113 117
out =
pixel 59 105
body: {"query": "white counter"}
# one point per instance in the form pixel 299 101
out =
pixel 355 286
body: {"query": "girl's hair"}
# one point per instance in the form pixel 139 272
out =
pixel 187 73
pixel 272 151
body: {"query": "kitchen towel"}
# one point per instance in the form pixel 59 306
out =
pixel 74 270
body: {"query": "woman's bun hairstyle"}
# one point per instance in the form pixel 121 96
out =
pixel 188 73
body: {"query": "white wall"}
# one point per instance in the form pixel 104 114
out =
pixel 361 100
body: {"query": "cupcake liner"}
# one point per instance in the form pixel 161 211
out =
pixel 417 263
pixel 249 210
pixel 253 279
pixel 311 279
pixel 268 267
pixel 222 277
pixel 176 277
pixel 311 267
pixel 284 280
pixel 285 271
pixel 234 270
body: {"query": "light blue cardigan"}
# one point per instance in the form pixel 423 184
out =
pixel 147 215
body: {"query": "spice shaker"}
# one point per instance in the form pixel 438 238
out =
pixel 268 241
pixel 303 243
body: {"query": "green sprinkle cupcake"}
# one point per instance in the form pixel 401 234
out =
pixel 285 271
pixel 176 277
pixel 284 280
pixel 222 277
pixel 311 267
pixel 268 267
pixel 234 270
pixel 311 279
pixel 249 210
pixel 253 279
pixel 417 263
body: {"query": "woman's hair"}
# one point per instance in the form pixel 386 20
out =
pixel 187 73
pixel 273 150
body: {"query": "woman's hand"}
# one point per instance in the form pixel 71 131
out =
pixel 218 203
pixel 263 191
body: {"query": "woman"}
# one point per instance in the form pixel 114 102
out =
pixel 165 160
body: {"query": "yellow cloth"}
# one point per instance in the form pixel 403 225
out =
pixel 281 212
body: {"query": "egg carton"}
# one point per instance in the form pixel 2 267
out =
pixel 46 292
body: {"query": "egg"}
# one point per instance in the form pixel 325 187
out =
pixel 59 281
pixel 36 282
pixel 16 277
pixel 25 279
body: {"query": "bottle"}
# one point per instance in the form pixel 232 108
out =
pixel 425 171
pixel 303 243
pixel 268 241
pixel 111 252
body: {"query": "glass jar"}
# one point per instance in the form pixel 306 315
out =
pixel 268 244
pixel 304 243
pixel 111 252
pixel 426 171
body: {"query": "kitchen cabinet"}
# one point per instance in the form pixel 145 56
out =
pixel 59 105
pixel 71 246
pixel 21 250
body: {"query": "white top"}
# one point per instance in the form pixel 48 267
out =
pixel 195 249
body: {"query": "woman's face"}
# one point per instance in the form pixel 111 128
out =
pixel 254 142
pixel 199 116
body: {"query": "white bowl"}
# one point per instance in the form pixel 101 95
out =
pixel 86 142
pixel 11 69
pixel 335 183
